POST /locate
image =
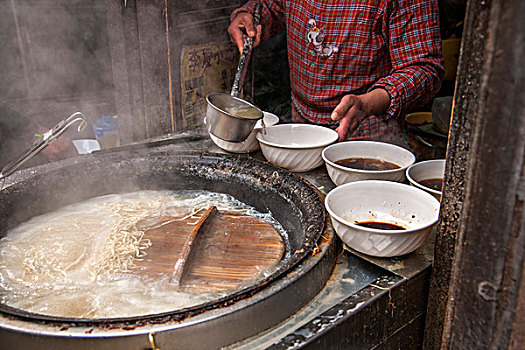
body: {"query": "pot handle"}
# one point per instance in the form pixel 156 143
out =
pixel 245 55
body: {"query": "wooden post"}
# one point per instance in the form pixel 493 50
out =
pixel 125 62
pixel 480 243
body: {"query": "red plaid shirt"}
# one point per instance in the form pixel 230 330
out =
pixel 339 47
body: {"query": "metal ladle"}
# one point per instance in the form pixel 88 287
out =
pixel 245 55
pixel 221 118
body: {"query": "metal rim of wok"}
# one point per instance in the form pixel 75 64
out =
pixel 202 168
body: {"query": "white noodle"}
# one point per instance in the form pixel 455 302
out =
pixel 76 261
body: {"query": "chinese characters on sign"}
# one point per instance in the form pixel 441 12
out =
pixel 205 69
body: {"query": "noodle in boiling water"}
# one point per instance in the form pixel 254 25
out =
pixel 76 261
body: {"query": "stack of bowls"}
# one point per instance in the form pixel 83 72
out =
pixel 250 144
pixel 86 146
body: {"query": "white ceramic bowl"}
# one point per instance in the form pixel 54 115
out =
pixel 366 149
pixel 429 169
pixel 382 201
pixel 250 144
pixel 296 147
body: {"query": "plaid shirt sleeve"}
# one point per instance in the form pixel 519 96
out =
pixel 272 16
pixel 415 53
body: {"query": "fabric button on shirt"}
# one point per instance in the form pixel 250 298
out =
pixel 350 47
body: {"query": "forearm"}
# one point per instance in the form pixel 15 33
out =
pixel 409 88
pixel 376 101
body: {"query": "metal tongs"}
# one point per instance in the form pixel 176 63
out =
pixel 48 138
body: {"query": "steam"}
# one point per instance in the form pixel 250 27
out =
pixel 55 60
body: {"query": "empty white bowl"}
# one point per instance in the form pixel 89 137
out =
pixel 296 147
pixel 428 169
pixel 382 201
pixel 250 144
pixel 366 149
pixel 85 146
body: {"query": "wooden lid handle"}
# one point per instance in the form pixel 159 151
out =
pixel 178 269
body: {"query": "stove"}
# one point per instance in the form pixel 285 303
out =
pixel 328 298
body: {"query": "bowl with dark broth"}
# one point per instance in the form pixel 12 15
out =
pixel 366 160
pixel 428 176
pixel 382 218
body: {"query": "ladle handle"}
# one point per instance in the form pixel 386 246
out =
pixel 245 55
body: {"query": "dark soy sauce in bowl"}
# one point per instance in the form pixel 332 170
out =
pixel 433 184
pixel 380 225
pixel 366 164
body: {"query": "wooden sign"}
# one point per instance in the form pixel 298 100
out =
pixel 205 69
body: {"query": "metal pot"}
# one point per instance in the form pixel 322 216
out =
pixel 228 126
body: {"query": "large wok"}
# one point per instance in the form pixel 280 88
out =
pixel 293 202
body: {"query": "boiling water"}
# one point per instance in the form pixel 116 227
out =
pixel 75 262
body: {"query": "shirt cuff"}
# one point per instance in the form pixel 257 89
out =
pixel 394 110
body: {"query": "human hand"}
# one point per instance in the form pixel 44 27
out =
pixel 241 26
pixel 350 112
pixel 354 108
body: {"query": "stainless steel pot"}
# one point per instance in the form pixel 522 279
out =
pixel 231 118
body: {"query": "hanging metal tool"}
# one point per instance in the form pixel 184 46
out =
pixel 48 138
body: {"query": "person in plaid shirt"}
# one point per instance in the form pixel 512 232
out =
pixel 355 65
